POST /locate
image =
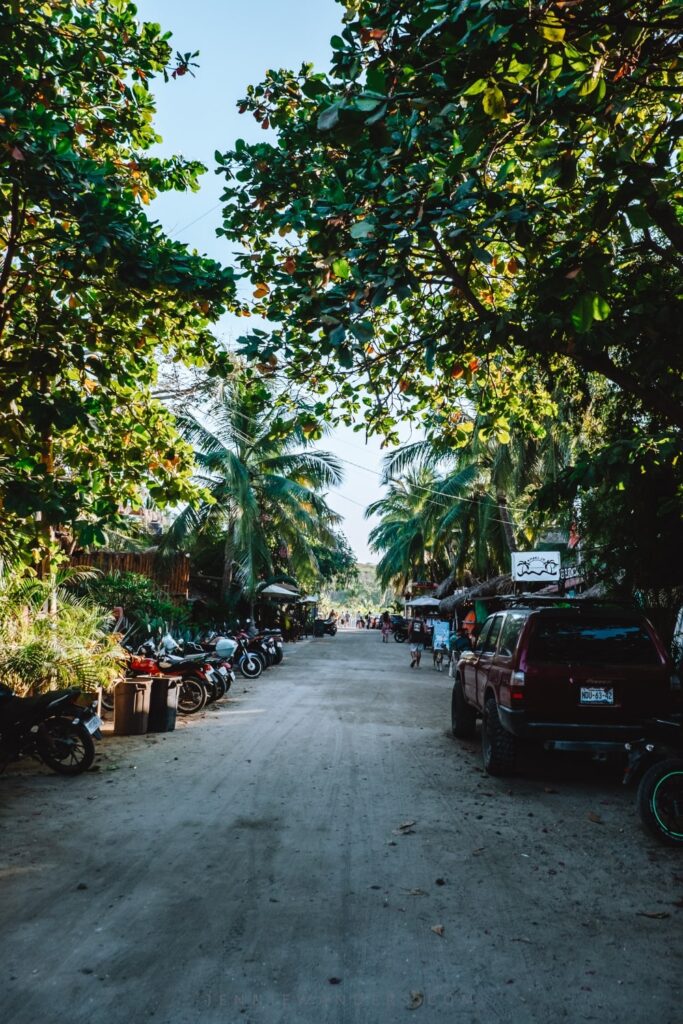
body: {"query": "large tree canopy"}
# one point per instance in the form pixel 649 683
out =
pixel 482 196
pixel 92 293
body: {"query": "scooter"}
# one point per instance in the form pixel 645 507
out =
pixel 51 727
pixel 656 763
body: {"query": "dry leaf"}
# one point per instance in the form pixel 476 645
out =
pixel 592 816
pixel 479 849
pixel 416 1000
pixel 416 892
pixel 656 915
pixel 404 829
pixel 438 929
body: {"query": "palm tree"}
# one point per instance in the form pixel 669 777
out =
pixel 406 531
pixel 466 496
pixel 266 485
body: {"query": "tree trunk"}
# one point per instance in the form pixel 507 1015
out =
pixel 504 515
pixel 228 556
pixel 46 533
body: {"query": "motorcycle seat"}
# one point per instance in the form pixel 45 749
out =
pixel 15 708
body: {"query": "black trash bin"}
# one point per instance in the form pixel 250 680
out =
pixel 163 703
pixel 131 706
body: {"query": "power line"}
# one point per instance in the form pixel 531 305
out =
pixel 178 231
pixel 428 490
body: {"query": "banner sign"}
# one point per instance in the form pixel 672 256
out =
pixel 442 631
pixel 535 566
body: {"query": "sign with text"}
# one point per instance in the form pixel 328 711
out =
pixel 536 566
pixel 440 636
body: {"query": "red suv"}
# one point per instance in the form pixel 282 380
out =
pixel 575 676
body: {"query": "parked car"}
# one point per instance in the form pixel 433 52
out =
pixel 579 677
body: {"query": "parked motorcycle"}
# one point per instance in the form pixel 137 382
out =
pixel 51 727
pixel 656 763
pixel 325 627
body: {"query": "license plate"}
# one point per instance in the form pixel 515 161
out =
pixel 93 724
pixel 597 695
pixel 223 671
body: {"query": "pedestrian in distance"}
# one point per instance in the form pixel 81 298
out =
pixel 386 627
pixel 416 637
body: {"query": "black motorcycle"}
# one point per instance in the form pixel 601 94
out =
pixel 656 763
pixel 51 727
pixel 325 627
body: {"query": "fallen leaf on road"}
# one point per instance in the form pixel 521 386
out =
pixel 440 881
pixel 656 915
pixel 592 816
pixel 479 849
pixel 334 981
pixel 522 940
pixel 416 892
pixel 438 929
pixel 416 1000
pixel 404 829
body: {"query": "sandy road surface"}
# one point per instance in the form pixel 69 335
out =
pixel 247 868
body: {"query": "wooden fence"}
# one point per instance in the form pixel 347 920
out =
pixel 171 573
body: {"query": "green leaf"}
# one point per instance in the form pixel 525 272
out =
pixel 601 308
pixel 551 28
pixel 341 268
pixel 329 117
pixel 362 229
pixel 494 102
pixel 587 309
pixel 582 314
pixel 476 87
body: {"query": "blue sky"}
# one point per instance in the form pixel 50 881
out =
pixel 238 42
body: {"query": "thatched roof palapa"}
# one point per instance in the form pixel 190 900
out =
pixel 495 587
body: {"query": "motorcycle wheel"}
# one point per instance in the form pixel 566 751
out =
pixel 400 637
pixel 660 801
pixel 108 699
pixel 278 655
pixel 221 685
pixel 192 697
pixel 250 666
pixel 65 747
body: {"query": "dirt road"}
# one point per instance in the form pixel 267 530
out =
pixel 257 866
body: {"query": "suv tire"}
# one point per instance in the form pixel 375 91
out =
pixel 463 715
pixel 498 746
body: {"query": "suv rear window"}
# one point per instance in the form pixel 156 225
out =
pixel 510 635
pixel 595 643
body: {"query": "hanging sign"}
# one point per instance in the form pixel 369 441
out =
pixel 536 566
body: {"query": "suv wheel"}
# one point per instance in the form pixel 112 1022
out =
pixel 463 715
pixel 498 746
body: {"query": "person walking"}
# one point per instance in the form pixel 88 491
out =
pixel 416 637
pixel 386 627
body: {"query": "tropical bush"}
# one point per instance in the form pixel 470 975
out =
pixel 144 603
pixel 50 638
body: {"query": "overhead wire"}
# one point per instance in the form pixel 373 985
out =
pixel 429 490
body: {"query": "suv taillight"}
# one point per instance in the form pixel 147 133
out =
pixel 517 686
